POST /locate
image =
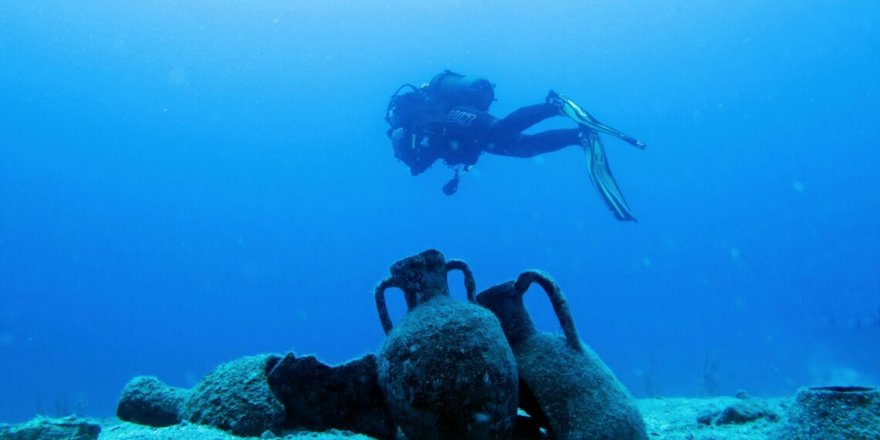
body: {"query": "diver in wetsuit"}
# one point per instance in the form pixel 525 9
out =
pixel 448 118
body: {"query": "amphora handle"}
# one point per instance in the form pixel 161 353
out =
pixel 385 318
pixel 470 286
pixel 557 299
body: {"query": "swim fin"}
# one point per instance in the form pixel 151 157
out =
pixel 576 113
pixel 600 174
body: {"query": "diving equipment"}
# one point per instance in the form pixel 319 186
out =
pixel 452 186
pixel 456 89
pixel 600 174
pixel 569 108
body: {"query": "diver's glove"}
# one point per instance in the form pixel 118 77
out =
pixel 569 108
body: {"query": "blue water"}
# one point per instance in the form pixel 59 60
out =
pixel 185 183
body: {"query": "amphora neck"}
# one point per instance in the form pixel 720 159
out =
pixel 421 277
pixel 506 302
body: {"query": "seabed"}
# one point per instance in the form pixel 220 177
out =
pixel 668 418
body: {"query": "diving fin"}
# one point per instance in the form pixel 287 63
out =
pixel 600 174
pixel 570 109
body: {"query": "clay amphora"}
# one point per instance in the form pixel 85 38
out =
pixel 563 384
pixel 833 412
pixel 446 370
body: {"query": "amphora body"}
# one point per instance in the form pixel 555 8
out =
pixel 446 370
pixel 564 384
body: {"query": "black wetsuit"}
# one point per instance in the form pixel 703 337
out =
pixel 505 136
pixel 466 132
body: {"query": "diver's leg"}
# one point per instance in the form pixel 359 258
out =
pixel 529 145
pixel 569 108
pixel 507 129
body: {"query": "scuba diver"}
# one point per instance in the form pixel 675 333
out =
pixel 448 118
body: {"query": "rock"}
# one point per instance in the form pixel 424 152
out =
pixel 745 412
pixel 44 428
pixel 707 418
pixel 236 397
pixel 320 397
pixel 741 412
pixel 147 401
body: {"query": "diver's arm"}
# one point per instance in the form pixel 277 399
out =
pixel 414 150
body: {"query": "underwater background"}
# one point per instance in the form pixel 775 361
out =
pixel 185 183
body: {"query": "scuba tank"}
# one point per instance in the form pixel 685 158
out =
pixel 411 107
pixel 446 369
pixel 456 89
pixel 563 384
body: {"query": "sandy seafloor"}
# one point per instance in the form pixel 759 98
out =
pixel 675 418
pixel 672 418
